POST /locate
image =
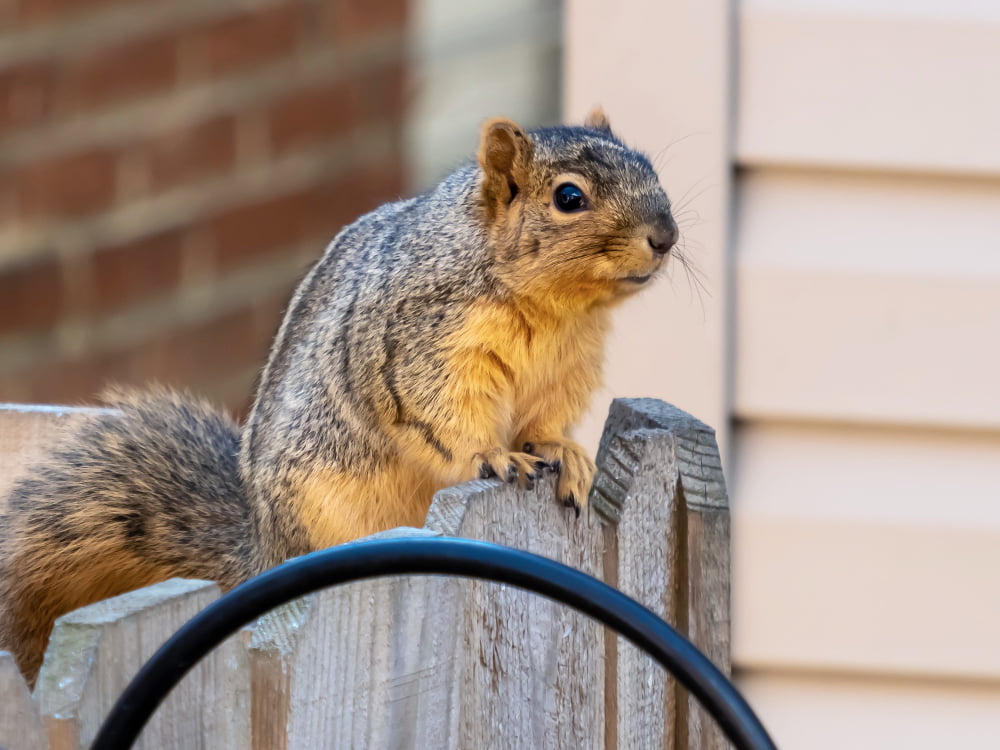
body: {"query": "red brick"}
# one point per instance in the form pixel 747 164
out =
pixel 34 11
pixel 207 351
pixel 314 114
pixel 385 91
pixel 62 380
pixel 351 19
pixel 253 230
pixel 233 392
pixel 361 190
pixel 70 185
pixel 131 69
pixel 270 310
pixel 221 346
pixel 32 296
pixel 248 233
pixel 133 272
pixel 25 94
pixel 191 153
pixel 249 38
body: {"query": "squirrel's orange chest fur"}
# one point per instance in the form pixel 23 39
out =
pixel 539 366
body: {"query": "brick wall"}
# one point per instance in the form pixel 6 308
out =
pixel 169 169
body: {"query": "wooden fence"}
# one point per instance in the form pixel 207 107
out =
pixel 426 662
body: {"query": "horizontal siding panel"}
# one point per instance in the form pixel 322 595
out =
pixel 868 298
pixel 824 712
pixel 844 347
pixel 870 550
pixel 909 86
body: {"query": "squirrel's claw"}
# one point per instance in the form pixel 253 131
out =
pixel 513 468
pixel 571 463
pixel 511 475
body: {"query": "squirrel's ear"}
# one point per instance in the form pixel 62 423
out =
pixel 505 157
pixel 598 120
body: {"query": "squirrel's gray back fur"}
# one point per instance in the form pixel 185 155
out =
pixel 357 325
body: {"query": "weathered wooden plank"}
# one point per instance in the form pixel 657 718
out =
pixel 530 672
pixel 706 575
pixel 368 664
pixel 273 641
pixel 637 490
pixel 96 650
pixel 661 480
pixel 21 727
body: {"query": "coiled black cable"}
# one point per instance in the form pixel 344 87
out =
pixel 429 556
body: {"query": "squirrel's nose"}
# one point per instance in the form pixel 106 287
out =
pixel 663 235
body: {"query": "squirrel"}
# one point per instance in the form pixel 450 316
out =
pixel 453 335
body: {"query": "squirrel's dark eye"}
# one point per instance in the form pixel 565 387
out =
pixel 568 197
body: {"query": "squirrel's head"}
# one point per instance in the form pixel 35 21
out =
pixel 572 211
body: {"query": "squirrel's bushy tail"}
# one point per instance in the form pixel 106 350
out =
pixel 134 496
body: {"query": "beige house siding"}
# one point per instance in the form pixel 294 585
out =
pixel 661 71
pixel 860 355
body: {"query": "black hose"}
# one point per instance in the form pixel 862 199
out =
pixel 433 556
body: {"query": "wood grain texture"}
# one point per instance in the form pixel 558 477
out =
pixel 530 673
pixel 639 478
pixel 21 727
pixel 456 664
pixel 706 578
pixel 367 664
pixel 661 480
pixel 96 650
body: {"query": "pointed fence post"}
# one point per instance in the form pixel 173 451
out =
pixel 661 484
pixel 21 727
pixel 95 651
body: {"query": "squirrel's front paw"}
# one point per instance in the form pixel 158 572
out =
pixel 576 470
pixel 509 466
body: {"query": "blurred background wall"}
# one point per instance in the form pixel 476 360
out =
pixel 473 60
pixel 169 169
